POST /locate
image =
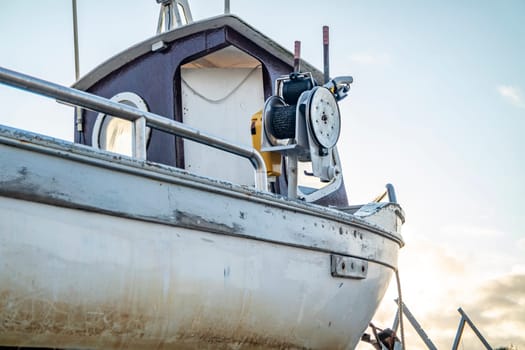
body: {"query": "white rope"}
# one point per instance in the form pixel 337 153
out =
pixel 219 100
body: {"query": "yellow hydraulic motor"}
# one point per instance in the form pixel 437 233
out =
pixel 271 159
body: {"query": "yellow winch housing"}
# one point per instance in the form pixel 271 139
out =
pixel 272 160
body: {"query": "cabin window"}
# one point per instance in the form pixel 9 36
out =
pixel 116 134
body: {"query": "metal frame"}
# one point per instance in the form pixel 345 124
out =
pixel 141 119
pixel 172 9
pixel 423 335
pixel 461 326
pixel 417 327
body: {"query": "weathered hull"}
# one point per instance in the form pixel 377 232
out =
pixel 112 253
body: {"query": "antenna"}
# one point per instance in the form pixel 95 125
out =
pixel 226 7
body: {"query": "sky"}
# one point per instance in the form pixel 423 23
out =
pixel 437 108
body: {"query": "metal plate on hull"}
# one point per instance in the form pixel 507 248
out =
pixel 343 266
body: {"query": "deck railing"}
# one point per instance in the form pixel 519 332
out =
pixel 140 119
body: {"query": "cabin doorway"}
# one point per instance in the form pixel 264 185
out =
pixel 220 93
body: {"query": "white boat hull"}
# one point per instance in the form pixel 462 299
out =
pixel 104 255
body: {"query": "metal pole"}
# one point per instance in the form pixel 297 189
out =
pixel 174 8
pixel 89 101
pixel 417 327
pixel 75 40
pixel 297 57
pixel 326 53
pixel 78 111
pixel 291 170
pixel 395 324
pixel 459 333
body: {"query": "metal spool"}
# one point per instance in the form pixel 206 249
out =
pixel 283 122
pixel 279 119
pixel 294 87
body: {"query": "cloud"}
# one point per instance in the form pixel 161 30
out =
pixel 367 58
pixel 521 244
pixel 500 310
pixel 512 94
pixel 497 309
pixel 471 231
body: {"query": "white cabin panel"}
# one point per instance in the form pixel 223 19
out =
pixel 221 101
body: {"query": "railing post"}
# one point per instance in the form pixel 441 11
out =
pixel 139 149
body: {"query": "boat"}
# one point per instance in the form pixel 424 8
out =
pixel 201 205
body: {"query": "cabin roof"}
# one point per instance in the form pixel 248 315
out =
pixel 221 21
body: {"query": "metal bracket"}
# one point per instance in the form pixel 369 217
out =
pixel 347 267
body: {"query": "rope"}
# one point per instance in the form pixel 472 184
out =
pixel 400 308
pixel 219 100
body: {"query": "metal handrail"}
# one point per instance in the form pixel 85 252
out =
pixel 141 119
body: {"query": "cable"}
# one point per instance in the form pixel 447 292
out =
pixel 219 100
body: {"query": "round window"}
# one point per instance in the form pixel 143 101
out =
pixel 116 134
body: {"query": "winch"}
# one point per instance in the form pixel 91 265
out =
pixel 302 121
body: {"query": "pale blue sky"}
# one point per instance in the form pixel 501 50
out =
pixel 437 108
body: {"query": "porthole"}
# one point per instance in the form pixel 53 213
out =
pixel 116 134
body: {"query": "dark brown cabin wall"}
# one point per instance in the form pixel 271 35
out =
pixel 155 76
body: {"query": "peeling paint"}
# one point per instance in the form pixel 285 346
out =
pixel 197 222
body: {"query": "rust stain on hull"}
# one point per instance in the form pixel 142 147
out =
pixel 32 322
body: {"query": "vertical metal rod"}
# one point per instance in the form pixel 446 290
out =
pixel 78 111
pixel 139 128
pixel 475 329
pixel 75 39
pixel 459 333
pixel 297 57
pixel 291 173
pixel 161 20
pixel 326 53
pixel 186 11
pixel 227 6
pixel 176 12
